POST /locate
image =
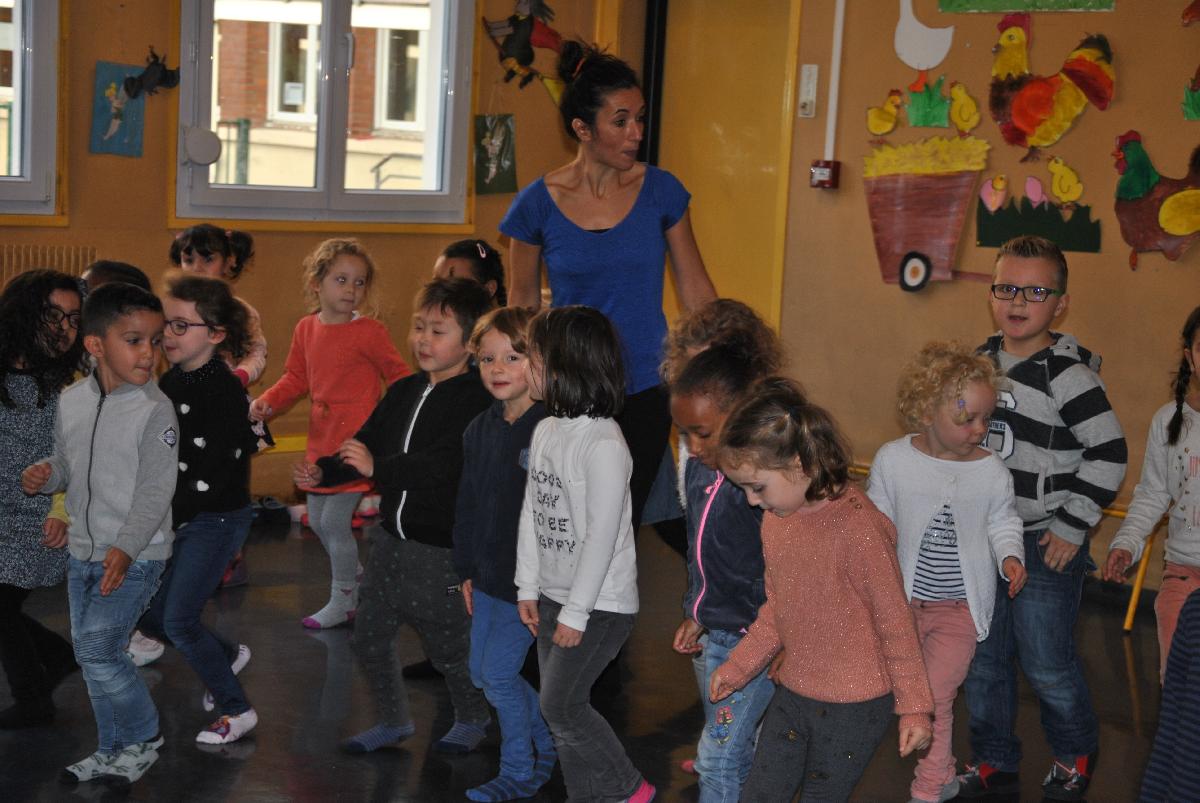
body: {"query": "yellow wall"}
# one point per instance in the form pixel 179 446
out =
pixel 848 333
pixel 727 110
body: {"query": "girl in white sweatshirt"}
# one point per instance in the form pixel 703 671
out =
pixel 576 566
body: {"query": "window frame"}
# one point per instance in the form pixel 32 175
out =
pixel 383 47
pixel 36 60
pixel 312 69
pixel 449 203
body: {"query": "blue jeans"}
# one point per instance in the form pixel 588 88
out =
pixel 100 627
pixel 203 548
pixel 726 749
pixel 1037 629
pixel 499 644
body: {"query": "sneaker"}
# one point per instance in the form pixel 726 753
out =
pixel 1069 782
pixel 983 779
pixel 131 763
pixel 239 663
pixel 87 769
pixel 143 649
pixel 228 729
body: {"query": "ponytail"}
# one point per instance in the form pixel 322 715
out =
pixel 1183 377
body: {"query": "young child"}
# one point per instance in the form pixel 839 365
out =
pixel 576 567
pixel 835 603
pixel 211 508
pixel 725 560
pixel 338 356
pixel 120 506
pixel 1169 472
pixel 490 497
pixel 1060 439
pixel 39 355
pixel 474 259
pixel 411 446
pixel 957 528
pixel 103 271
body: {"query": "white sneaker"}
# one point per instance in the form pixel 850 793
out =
pixel 228 729
pixel 143 649
pixel 239 663
pixel 131 763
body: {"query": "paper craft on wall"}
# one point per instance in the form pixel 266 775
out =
pixel 959 6
pixel 917 199
pixel 881 120
pixel 117 119
pixel 1057 216
pixel 929 108
pixel 1191 98
pixel 495 154
pixel 920 46
pixel 964 110
pixel 1034 111
pixel 517 35
pixel 1156 213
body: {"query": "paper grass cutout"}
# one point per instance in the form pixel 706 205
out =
pixel 1191 98
pixel 1035 111
pixel 920 46
pixel 929 108
pixel 917 200
pixel 1060 219
pixel 1156 213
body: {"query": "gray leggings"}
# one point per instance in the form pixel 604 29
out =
pixel 818 749
pixel 329 517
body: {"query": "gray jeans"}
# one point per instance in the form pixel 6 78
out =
pixel 594 764
pixel 818 749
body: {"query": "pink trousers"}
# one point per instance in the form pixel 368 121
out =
pixel 947 635
pixel 1178 582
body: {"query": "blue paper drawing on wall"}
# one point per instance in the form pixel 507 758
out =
pixel 117 119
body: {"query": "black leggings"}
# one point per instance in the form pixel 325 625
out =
pixel 32 655
pixel 646 424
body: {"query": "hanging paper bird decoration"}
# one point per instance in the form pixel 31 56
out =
pixel 993 193
pixel 964 111
pixel 156 75
pixel 1064 182
pixel 1156 213
pixel 920 46
pixel 882 119
pixel 1034 111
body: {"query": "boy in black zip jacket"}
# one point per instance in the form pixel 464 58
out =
pixel 411 446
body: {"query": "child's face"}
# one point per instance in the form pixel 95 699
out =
pixel 126 352
pixel 535 375
pixel 459 268
pixel 780 492
pixel 436 341
pixel 1192 354
pixel 342 289
pixel 214 265
pixel 954 432
pixel 501 367
pixel 61 336
pixel 1026 324
pixel 699 419
pixel 195 346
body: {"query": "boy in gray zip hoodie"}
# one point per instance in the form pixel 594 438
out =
pixel 115 455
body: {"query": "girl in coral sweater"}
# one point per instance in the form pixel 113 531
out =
pixel 338 357
pixel 835 604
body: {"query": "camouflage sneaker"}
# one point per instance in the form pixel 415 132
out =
pixel 132 762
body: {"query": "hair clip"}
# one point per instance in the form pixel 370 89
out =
pixel 482 248
pixel 178 235
pixel 578 67
pixel 228 234
pixel 961 404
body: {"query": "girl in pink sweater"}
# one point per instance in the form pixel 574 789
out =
pixel 338 357
pixel 835 605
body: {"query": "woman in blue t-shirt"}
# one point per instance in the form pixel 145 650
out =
pixel 603 225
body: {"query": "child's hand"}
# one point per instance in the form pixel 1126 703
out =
pixel 773 669
pixel 914 737
pixel 35 477
pixel 116 563
pixel 567 637
pixel 686 637
pixel 260 410
pixel 466 595
pixel 1119 561
pixel 1015 573
pixel 1058 552
pixel 718 686
pixel 54 533
pixel 306 475
pixel 528 611
pixel 355 453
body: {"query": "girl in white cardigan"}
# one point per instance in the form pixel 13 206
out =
pixel 957 527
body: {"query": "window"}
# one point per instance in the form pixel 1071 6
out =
pixel 28 107
pixel 328 109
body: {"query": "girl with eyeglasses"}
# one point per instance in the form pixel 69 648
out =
pixel 40 353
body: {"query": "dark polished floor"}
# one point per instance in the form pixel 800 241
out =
pixel 308 695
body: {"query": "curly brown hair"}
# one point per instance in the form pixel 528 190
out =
pixel 318 263
pixel 940 371
pixel 720 320
pixel 512 322
pixel 216 306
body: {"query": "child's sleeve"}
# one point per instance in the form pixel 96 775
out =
pixel 58 508
pixel 1084 408
pixel 294 382
pixel 1005 528
pixel 466 521
pixel 527 578
pixel 607 466
pixel 386 358
pixel 761 642
pixel 879 488
pixel 252 365
pixel 158 465
pixel 372 434
pixel 60 467
pixel 433 466
pixel 1150 498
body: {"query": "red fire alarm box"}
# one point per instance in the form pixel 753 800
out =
pixel 824 174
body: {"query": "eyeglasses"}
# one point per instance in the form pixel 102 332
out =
pixel 1034 295
pixel 55 315
pixel 179 327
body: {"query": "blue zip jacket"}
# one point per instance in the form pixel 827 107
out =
pixel 725 557
pixel 490 495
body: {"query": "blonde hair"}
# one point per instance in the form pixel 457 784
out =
pixel 939 372
pixel 317 264
pixel 512 322
pixel 720 320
